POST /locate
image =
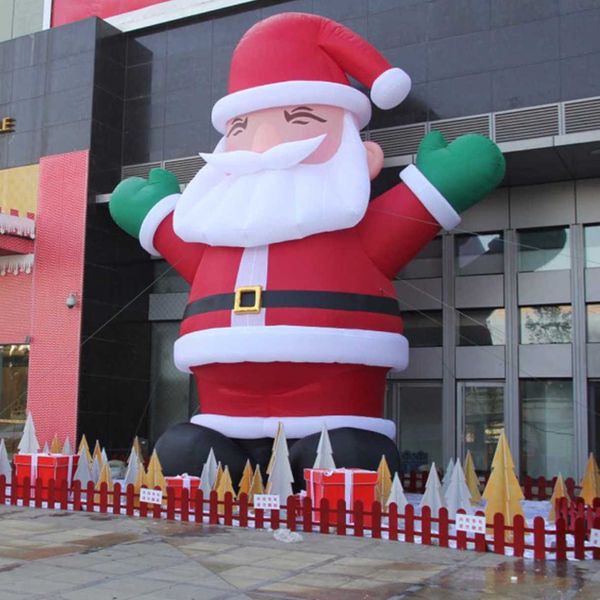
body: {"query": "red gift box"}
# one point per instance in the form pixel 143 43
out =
pixel 46 467
pixel 350 485
pixel 181 482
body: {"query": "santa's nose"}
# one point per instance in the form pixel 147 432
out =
pixel 265 137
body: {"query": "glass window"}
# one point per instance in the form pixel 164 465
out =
pixel 483 410
pixel 594 416
pixel 417 411
pixel 14 366
pixel 423 328
pixel 592 246
pixel 546 324
pixel 482 327
pixel 546 428
pixel 428 263
pixel 544 249
pixel 593 322
pixel 479 254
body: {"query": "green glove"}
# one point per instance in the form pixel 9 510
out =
pixel 464 171
pixel 134 197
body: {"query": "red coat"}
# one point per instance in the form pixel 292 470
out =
pixel 359 260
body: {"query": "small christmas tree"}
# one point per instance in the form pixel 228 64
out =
pixel 590 484
pixel 105 477
pixel 46 448
pixel 83 473
pixel 447 476
pixel 218 476
pixel 432 496
pixel 98 453
pixel 384 481
pixel 324 459
pixel 66 449
pixel 246 480
pixel 154 476
pixel 96 469
pixel 133 469
pixel 280 478
pixel 84 449
pixel 458 494
pixel 225 485
pixel 5 468
pixel 209 473
pixel 104 456
pixel 396 495
pixel 256 487
pixel 137 447
pixel 503 492
pixel 274 448
pixel 560 491
pixel 55 445
pixel 29 443
pixel 472 479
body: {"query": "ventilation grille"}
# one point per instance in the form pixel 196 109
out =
pixel 399 141
pixel 185 168
pixel 139 170
pixel 582 115
pixel 451 129
pixel 527 124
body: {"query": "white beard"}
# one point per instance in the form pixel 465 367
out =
pixel 287 201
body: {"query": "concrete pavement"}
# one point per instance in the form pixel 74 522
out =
pixel 55 555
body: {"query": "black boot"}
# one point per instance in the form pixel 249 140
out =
pixel 356 448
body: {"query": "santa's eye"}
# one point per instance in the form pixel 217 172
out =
pixel 237 126
pixel 302 115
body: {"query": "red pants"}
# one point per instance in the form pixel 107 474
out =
pixel 290 389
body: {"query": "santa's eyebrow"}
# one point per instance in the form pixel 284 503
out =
pixel 302 108
pixel 296 113
pixel 238 123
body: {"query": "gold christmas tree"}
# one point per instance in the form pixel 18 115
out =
pixel 225 485
pixel 154 476
pixel 384 481
pixel 256 487
pixel 84 449
pixel 274 449
pixel 218 476
pixel 55 445
pixel 503 492
pixel 560 491
pixel 246 480
pixel 98 453
pixel 136 446
pixel 471 479
pixel 590 484
pixel 105 477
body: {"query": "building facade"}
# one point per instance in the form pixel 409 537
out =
pixel 503 313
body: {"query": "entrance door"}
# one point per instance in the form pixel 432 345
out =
pixel 14 366
pixel 480 418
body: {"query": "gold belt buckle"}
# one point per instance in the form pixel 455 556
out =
pixel 237 303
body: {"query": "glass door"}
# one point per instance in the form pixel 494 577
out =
pixel 14 367
pixel 480 418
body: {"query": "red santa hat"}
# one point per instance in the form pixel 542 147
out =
pixel 296 58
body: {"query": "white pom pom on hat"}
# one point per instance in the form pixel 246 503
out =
pixel 390 88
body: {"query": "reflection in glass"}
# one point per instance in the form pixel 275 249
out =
pixel 482 327
pixel 546 427
pixel 544 249
pixel 14 366
pixel 483 421
pixel 423 328
pixel 592 246
pixel 593 322
pixel 417 412
pixel 428 263
pixel 594 416
pixel 479 254
pixel 546 324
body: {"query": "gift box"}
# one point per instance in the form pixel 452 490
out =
pixel 181 482
pixel 350 485
pixel 46 467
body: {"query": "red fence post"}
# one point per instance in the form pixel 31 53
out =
pixel 199 506
pixel 561 539
pixel 116 499
pixel 359 519
pixel 228 509
pixel 579 534
pixel 130 505
pixel 171 503
pixel 185 504
pixel 3 489
pixel 480 543
pixel 409 524
pixel 443 525
pixel 51 493
pixel 527 488
pixel 426 526
pixel 539 538
pixel 291 512
pixel 89 497
pixel 307 512
pixel 26 491
pixel 461 536
pixel 596 550
pixel 157 508
pixel 393 521
pixel 259 518
pixel 213 508
pixel 499 533
pixel 143 507
pixel 340 518
pixel 570 485
pixel 324 516
pixel 64 495
pixel 243 508
pixel 376 520
pixel 519 535
pixel 77 495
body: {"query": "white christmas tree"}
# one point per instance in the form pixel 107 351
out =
pixel 447 476
pixel 46 449
pixel 83 474
pixel 29 443
pixel 280 478
pixel 104 457
pixel 96 469
pixel 67 447
pixel 397 495
pixel 133 469
pixel 458 494
pixel 209 474
pixel 324 458
pixel 432 496
pixel 5 463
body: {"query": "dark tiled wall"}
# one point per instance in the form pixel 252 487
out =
pixel 464 56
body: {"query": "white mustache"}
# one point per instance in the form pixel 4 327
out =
pixel 247 162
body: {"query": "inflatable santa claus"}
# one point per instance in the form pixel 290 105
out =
pixel 292 316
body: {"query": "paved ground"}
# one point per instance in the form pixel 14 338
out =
pixel 57 555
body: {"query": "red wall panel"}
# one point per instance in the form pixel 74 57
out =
pixel 15 308
pixel 67 11
pixel 58 271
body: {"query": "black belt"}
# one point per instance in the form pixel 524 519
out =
pixel 253 299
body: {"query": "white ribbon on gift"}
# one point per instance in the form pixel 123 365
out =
pixel 34 468
pixel 69 471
